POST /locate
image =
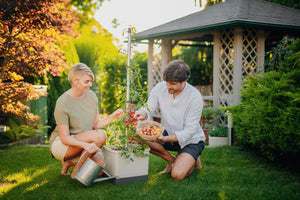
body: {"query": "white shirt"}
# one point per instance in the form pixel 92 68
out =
pixel 180 115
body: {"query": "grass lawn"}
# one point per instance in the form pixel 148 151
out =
pixel 31 173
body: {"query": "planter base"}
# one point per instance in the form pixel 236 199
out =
pixel 124 170
pixel 217 141
pixel 120 181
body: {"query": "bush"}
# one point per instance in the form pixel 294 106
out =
pixel 17 130
pixel 267 118
pixel 113 87
pixel 57 85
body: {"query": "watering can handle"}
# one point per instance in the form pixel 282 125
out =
pixel 85 153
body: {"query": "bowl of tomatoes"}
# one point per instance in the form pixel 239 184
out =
pixel 149 130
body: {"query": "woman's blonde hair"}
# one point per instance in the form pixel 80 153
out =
pixel 78 70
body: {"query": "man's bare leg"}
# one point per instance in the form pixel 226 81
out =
pixel 170 161
pixel 183 166
pixel 198 163
pixel 158 150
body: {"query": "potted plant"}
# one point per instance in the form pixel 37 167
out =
pixel 218 136
pixel 209 118
pixel 126 155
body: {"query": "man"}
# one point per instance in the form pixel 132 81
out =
pixel 181 107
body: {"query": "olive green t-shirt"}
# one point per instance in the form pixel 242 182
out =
pixel 79 114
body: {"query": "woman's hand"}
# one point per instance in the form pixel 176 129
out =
pixel 91 147
pixel 118 113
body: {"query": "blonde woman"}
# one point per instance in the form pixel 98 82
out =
pixel 78 123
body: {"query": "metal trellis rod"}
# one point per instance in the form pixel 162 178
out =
pixel 128 67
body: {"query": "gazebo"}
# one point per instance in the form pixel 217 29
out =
pixel 241 31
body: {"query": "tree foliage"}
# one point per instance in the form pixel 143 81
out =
pixel 30 34
pixel 200 60
pixel 280 57
pixel 86 7
pixel 288 3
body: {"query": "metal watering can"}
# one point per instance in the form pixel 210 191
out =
pixel 89 171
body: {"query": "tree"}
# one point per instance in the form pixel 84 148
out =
pixel 86 7
pixel 207 3
pixel 288 3
pixel 30 34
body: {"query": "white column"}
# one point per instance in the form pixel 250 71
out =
pixel 237 64
pixel 261 50
pixel 166 52
pixel 216 69
pixel 150 65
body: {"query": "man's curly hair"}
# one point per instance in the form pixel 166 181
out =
pixel 176 71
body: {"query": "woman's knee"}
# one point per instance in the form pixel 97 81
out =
pixel 100 137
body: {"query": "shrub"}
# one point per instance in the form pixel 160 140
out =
pixel 113 84
pixel 17 130
pixel 268 116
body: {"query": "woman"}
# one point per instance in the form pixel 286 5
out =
pixel 78 122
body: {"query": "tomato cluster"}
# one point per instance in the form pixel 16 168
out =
pixel 150 130
pixel 130 119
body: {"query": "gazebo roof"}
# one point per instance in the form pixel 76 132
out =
pixel 232 13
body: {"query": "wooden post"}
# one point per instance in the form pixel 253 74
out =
pixel 166 52
pixel 216 69
pixel 262 35
pixel 150 65
pixel 237 65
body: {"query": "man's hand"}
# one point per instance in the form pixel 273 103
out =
pixel 160 139
pixel 169 138
pixel 140 115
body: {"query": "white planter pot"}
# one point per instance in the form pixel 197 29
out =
pixel 217 141
pixel 123 169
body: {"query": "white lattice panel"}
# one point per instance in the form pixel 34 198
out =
pixel 226 66
pixel 249 52
pixel 157 71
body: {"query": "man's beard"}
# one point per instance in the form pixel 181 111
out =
pixel 171 91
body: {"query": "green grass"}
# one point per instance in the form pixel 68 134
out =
pixel 227 173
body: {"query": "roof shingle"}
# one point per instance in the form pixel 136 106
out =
pixel 254 13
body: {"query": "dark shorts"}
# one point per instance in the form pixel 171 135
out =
pixel 192 149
